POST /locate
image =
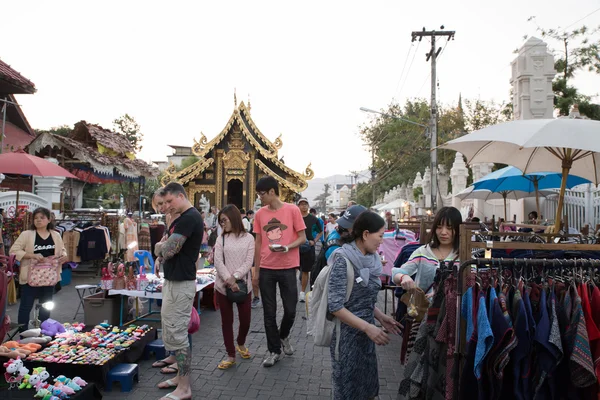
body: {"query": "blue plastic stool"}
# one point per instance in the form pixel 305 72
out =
pixel 143 255
pixel 157 347
pixel 124 374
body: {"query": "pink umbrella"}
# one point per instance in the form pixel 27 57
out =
pixel 21 163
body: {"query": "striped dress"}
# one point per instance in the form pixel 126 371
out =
pixel 424 264
pixel 354 375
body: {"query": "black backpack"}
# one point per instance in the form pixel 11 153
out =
pixel 321 260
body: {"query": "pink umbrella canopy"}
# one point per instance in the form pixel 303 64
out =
pixel 21 163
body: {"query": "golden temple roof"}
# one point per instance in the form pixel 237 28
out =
pixel 258 141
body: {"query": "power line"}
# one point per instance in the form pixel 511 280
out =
pixel 581 19
pixel 409 68
pixel 403 67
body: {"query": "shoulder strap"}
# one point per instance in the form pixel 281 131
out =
pixel 223 236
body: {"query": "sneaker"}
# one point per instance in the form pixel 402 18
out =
pixel 256 302
pixel 302 297
pixel 287 347
pixel 271 359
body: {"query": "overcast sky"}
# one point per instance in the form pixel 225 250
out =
pixel 307 66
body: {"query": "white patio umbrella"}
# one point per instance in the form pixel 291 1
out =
pixel 565 145
pixel 485 194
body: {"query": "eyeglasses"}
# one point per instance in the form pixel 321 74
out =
pixel 223 221
pixel 261 194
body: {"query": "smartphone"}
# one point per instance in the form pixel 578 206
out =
pixel 277 247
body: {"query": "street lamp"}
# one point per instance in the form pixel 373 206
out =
pixel 433 154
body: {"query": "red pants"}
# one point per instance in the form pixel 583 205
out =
pixel 244 312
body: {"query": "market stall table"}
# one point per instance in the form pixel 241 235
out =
pixel 149 295
pixel 92 372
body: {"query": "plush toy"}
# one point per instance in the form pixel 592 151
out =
pixel 13 368
pixel 51 327
pixel 6 352
pixel 31 333
pixel 43 374
pixel 67 382
pixel 79 381
pixel 29 381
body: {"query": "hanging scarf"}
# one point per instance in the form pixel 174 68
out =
pixel 369 265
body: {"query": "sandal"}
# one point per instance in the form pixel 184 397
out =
pixel 160 364
pixel 225 364
pixel 244 353
pixel 169 384
pixel 169 369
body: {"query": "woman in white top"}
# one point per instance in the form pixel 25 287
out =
pixel 234 253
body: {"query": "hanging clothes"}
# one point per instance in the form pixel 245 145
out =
pixel 131 238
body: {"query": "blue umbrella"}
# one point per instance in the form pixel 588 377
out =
pixel 511 178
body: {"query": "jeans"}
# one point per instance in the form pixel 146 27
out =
pixel 244 313
pixel 28 296
pixel 286 279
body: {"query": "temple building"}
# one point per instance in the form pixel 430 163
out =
pixel 231 163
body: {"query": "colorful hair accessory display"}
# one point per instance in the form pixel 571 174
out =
pixel 95 347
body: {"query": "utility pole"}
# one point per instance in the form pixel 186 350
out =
pixel 433 55
pixel 373 173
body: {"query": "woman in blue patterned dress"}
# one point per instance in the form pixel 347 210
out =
pixel 354 361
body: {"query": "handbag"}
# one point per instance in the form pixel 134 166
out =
pixel 194 324
pixel 43 274
pixel 241 295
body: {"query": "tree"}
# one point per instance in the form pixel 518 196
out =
pixel 128 127
pixel 402 149
pixel 321 199
pixel 62 130
pixel 187 162
pixel 579 51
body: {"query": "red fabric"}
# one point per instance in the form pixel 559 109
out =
pixel 21 163
pixel 244 312
pixel 592 329
pixel 595 345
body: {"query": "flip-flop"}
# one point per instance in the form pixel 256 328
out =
pixel 160 364
pixel 168 382
pixel 244 353
pixel 226 364
pixel 173 397
pixel 169 369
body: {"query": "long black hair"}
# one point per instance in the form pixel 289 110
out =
pixel 450 217
pixel 47 213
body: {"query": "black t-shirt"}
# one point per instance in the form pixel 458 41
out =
pixel 45 247
pixel 182 267
pixel 312 225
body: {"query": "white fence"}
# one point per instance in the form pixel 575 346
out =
pixel 582 207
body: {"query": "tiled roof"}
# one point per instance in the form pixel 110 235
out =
pixel 13 77
pixel 105 137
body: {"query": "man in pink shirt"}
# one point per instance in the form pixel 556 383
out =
pixel 279 230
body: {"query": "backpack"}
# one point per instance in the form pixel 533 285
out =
pixel 320 322
pixel 321 260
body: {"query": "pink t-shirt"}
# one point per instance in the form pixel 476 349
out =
pixel 279 227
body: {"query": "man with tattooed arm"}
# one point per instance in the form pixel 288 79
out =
pixel 180 253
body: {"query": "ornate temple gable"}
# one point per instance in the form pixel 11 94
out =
pixel 235 160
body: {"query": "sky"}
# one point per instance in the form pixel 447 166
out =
pixel 307 67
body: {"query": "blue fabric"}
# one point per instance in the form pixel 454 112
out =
pixel 485 337
pixel 467 311
pixel 492 296
pixel 520 353
pixel 511 178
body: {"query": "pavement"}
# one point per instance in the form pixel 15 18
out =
pixel 304 375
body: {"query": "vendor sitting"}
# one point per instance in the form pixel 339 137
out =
pixel 33 245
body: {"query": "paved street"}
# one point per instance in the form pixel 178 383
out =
pixel 305 375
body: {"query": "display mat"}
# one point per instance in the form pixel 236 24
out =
pixel 88 392
pixel 94 373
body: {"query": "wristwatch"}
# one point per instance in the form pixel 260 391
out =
pixel 236 276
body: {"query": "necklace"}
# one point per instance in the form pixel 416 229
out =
pixel 438 253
